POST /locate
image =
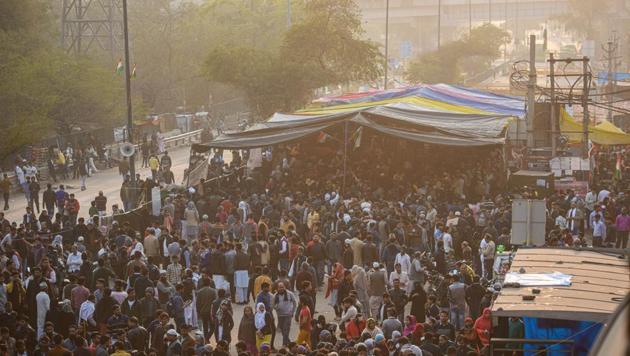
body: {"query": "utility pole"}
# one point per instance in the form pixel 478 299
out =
pixel 489 11
pixel 288 13
pixel 585 76
pixel 469 17
pixel 531 92
pixel 439 22
pixel 132 164
pixel 505 9
pixel 586 117
pixel 609 53
pixel 552 95
pixel 386 42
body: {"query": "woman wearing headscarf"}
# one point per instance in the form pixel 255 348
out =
pixel 355 327
pixel 417 334
pixel 247 330
pixel 262 322
pixel 224 321
pixel 418 303
pixel 360 283
pixel 371 328
pixel 191 225
pixel 483 327
pixel 410 325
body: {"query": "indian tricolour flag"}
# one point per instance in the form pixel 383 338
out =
pixel 120 68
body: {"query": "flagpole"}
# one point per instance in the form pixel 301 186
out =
pixel 132 164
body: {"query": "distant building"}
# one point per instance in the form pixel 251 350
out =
pixel 413 24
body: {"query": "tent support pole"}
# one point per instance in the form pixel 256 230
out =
pixel 345 155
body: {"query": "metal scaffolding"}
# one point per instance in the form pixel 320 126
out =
pixel 89 26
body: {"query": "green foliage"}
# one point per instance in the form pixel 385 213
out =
pixel 587 18
pixel 170 44
pixel 471 54
pixel 43 90
pixel 323 48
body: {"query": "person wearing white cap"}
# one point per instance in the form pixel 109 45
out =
pixel 377 285
pixel 43 306
pixel 174 346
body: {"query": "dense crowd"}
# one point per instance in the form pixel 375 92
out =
pixel 404 257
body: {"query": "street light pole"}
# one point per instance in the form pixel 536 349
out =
pixel 132 165
pixel 386 42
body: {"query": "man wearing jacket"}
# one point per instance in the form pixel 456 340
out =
pixel 284 304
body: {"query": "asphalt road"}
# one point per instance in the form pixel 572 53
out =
pixel 109 181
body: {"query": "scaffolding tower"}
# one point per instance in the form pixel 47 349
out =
pixel 92 26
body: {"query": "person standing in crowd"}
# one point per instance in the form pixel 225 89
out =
pixel 154 165
pixel 457 301
pixel 5 187
pixel 377 286
pixel 285 304
pixel 262 322
pixel 598 231
pixel 488 250
pixel 622 225
pixel 34 189
pixel 305 319
pixel 49 199
pixel 72 208
pixel 247 330
pixel 101 203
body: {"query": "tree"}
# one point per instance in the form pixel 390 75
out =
pixel 323 48
pixel 171 43
pixel 587 18
pixel 43 91
pixel 471 54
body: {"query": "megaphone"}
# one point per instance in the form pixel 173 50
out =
pixel 127 149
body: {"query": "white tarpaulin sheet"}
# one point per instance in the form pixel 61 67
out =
pixel 538 279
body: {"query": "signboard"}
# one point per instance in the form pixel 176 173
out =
pixel 529 218
pixel 565 166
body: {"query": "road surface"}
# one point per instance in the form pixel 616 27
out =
pixel 109 181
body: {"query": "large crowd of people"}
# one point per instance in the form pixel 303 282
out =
pixel 399 250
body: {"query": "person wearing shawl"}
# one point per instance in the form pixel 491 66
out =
pixel 360 283
pixel 483 327
pixel 333 287
pixel 191 226
pixel 355 327
pixel 247 330
pixel 168 211
pixel 371 328
pixel 410 325
pixel 262 322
